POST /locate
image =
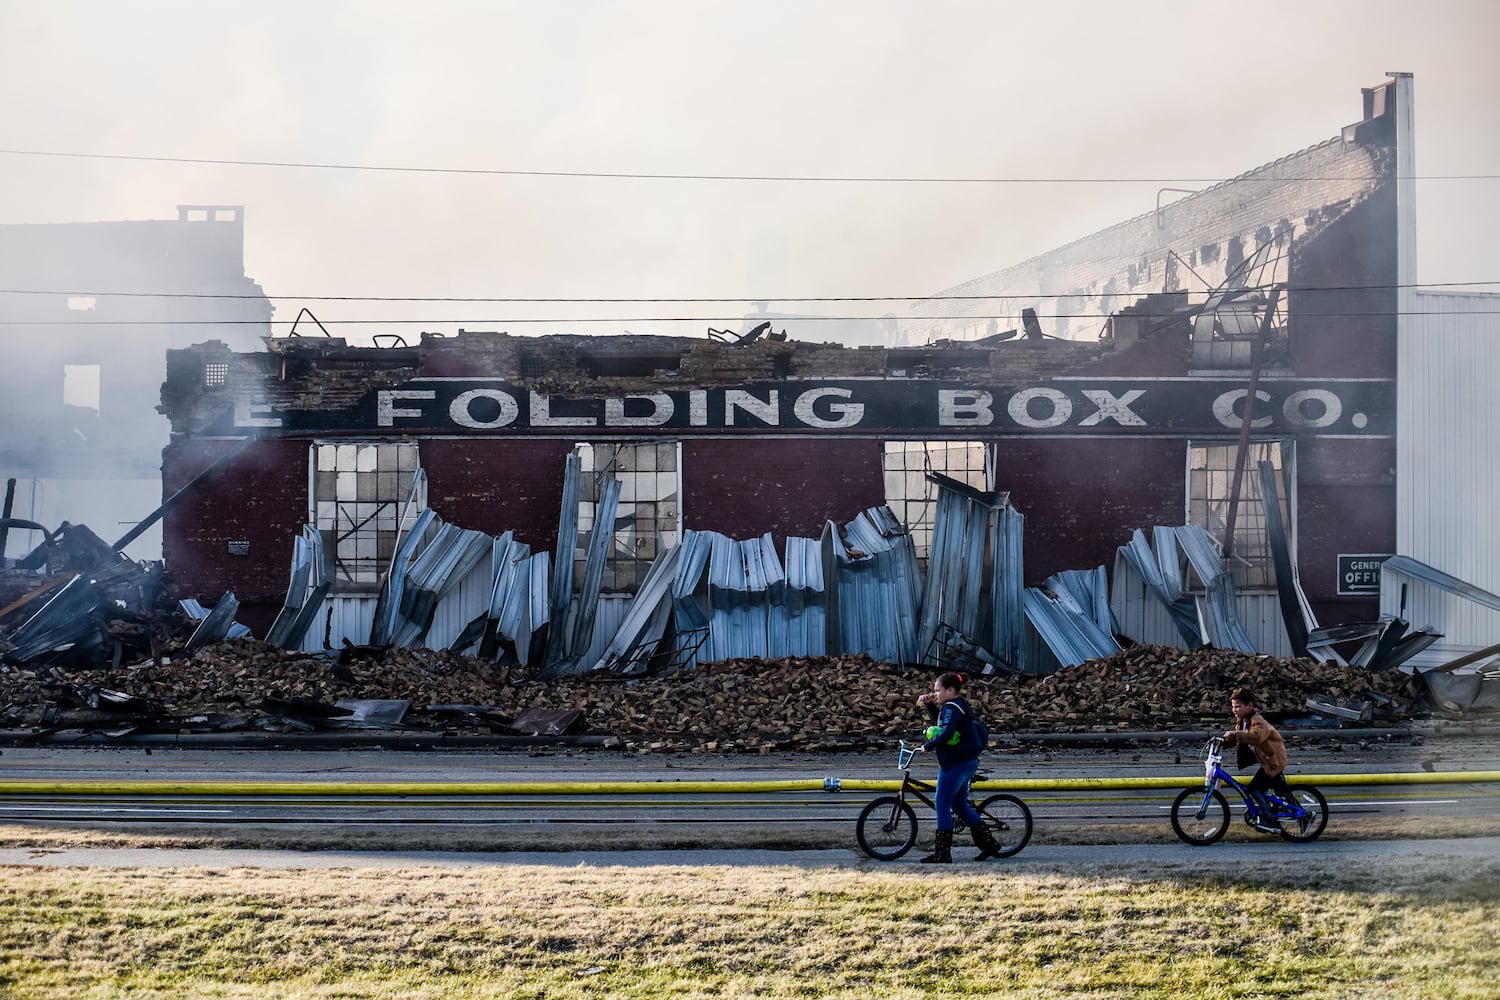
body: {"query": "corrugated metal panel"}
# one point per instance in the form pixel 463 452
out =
pixel 641 626
pixel 561 597
pixel 1163 581
pixel 1447 478
pixel 1140 615
pixel 1071 634
pixel 1008 590
pixel 343 616
pixel 609 613
pixel 803 606
pixel 875 586
pixel 955 563
pixel 581 635
pixel 461 605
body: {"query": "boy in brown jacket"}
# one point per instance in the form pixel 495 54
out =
pixel 1258 742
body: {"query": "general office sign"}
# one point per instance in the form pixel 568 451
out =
pixel 1112 406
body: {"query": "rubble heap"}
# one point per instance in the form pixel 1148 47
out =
pixel 816 702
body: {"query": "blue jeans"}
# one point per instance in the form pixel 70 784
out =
pixel 951 781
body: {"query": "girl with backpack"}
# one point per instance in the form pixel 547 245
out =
pixel 953 735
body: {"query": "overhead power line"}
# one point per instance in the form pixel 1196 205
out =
pixel 504 320
pixel 641 175
pixel 519 300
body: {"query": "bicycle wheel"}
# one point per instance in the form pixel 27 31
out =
pixel 1009 822
pixel 1200 819
pixel 1301 829
pixel 886 829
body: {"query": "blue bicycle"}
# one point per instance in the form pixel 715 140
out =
pixel 1201 815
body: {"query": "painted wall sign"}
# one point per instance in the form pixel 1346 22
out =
pixel 1359 575
pixel 1110 406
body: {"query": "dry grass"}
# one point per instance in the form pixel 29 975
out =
pixel 1418 928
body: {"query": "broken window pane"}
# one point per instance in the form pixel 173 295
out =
pixel 646 519
pixel 358 508
pixel 1210 485
pixel 909 494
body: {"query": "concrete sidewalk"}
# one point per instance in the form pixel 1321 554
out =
pixel 1034 859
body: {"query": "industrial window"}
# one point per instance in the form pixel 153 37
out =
pixel 358 494
pixel 908 493
pixel 215 373
pixel 648 518
pixel 1210 484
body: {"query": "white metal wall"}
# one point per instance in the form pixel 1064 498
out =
pixel 1143 618
pixel 1447 469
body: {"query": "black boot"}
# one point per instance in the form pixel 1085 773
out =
pixel 988 846
pixel 942 849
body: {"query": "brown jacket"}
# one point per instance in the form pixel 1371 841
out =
pixel 1262 737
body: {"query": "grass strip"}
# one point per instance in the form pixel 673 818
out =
pixel 1420 927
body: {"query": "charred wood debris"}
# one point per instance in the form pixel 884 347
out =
pixel 101 654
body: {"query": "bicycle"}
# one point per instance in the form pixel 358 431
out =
pixel 887 827
pixel 1200 816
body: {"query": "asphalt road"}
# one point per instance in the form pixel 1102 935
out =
pixel 808 815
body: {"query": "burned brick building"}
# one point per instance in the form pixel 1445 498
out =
pixel 1242 338
pixel 88 311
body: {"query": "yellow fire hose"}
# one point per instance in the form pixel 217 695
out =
pixel 283 789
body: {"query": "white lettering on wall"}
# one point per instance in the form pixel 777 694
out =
pixel 1020 408
pixel 1113 408
pixel 247 413
pixel 1227 411
pixel 698 408
pixel 541 414
pixel 1330 405
pixel 963 408
pixel 762 409
pixel 460 413
pixel 662 409
pixel 845 414
pixel 386 410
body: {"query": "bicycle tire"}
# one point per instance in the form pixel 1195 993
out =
pixel 1316 806
pixel 1186 821
pixel 886 828
pixel 1009 822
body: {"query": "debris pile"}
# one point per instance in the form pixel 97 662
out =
pixel 794 703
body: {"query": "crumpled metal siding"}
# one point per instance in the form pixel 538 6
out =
pixel 1159 571
pixel 580 637
pixel 306 590
pixel 217 624
pixel 1217 621
pixel 643 625
pixel 562 561
pixel 1008 589
pixel 802 608
pixel 63 622
pixel 1067 627
pixel 876 583
pixel 740 575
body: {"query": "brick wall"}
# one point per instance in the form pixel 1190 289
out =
pixel 787 486
pixel 498 485
pixel 1083 498
pixel 261 497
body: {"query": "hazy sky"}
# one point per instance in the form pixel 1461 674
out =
pixel 1155 89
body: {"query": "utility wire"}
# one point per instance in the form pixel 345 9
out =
pixel 792 178
pixel 489 321
pixel 516 300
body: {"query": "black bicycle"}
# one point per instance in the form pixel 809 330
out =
pixel 887 827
